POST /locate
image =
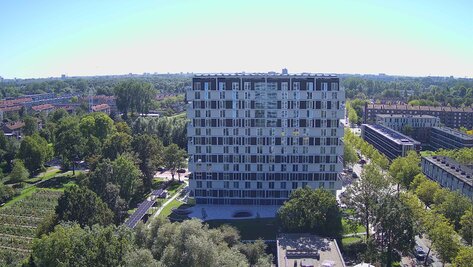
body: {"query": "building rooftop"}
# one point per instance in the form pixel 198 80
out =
pixel 456 169
pixel 405 116
pixel 395 136
pixel 14 125
pixel 100 107
pixel 13 108
pixel 455 133
pixel 42 107
pixel 308 250
pixel 263 74
pixel 421 108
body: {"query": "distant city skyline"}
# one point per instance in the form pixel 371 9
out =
pixel 87 38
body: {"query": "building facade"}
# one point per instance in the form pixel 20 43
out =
pixel 449 116
pixel 447 138
pixel 399 122
pixel 449 174
pixel 253 138
pixel 415 126
pixel 391 143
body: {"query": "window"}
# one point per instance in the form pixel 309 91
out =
pixel 235 86
pixel 209 184
pixel 296 86
pixel 226 184
pixel 294 185
pixel 271 185
pixel 221 86
pixel 259 185
pixel 283 185
pixel 197 95
pixel 199 183
pixel 247 185
pixel 236 185
pixel 247 85
pixel 310 86
pixel 284 86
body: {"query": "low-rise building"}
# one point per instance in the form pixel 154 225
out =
pixel 105 108
pixel 449 116
pixel 13 129
pixel 449 174
pixel 399 122
pixel 391 143
pixel 448 138
pixel 43 108
pixel 308 250
pixel 6 112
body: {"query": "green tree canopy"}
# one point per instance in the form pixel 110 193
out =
pixel 19 173
pixel 35 151
pixel 81 205
pixel 309 210
pixel 150 153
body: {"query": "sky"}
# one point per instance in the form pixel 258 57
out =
pixel 83 38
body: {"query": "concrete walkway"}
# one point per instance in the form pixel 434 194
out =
pixel 168 201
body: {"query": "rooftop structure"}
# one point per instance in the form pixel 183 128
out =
pixel 449 173
pixel 308 251
pixel 101 107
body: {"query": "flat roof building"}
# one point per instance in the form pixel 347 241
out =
pixel 391 143
pixel 449 174
pixel 448 138
pixel 398 122
pixel 449 116
pixel 253 138
pixel 308 251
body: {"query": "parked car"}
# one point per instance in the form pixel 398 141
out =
pixel 354 175
pixel 362 161
pixel 419 253
pixel 161 169
pixel 181 171
pixel 350 170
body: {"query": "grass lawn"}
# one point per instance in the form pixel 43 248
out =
pixel 351 240
pixel 168 209
pixel 251 229
pixel 426 153
pixel 24 193
pixel 346 228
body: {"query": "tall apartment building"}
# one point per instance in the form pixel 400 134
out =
pixel 391 143
pixel 449 116
pixel 253 138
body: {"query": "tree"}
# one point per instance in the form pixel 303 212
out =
pixel 404 169
pixel 6 193
pixel 116 144
pixel 19 173
pixel 466 223
pixel 71 245
pixel 426 191
pixel 97 124
pixel 174 158
pixel 464 257
pixel 31 125
pixel 314 211
pixel 363 195
pixel 190 243
pixel 126 175
pixel 395 227
pixel 444 240
pixel 133 96
pixel 149 151
pixel 453 207
pixel 81 205
pixel 255 253
pixel 35 151
pixel 69 144
pixel 349 155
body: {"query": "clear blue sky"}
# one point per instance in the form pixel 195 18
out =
pixel 49 38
